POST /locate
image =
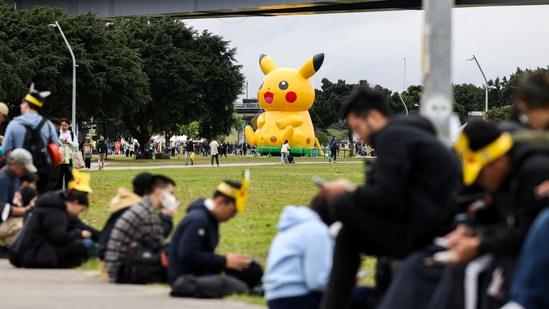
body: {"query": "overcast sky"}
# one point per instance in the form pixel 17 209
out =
pixel 373 46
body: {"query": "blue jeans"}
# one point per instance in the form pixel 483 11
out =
pixel 530 287
pixel 283 158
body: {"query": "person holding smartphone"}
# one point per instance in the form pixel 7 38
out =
pixel 192 253
pixel 406 196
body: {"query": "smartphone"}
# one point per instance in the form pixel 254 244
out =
pixel 319 181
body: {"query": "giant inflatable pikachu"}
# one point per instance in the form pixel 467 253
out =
pixel 286 96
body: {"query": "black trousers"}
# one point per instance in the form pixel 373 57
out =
pixel 87 162
pixel 65 173
pixel 53 178
pixel 43 184
pixel 216 159
pixel 363 232
pixel 333 154
pixel 251 276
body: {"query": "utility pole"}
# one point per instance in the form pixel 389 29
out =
pixel 436 99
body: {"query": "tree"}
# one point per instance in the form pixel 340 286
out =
pixel 325 110
pixel 470 96
pixel 109 76
pixel 499 114
pixel 192 77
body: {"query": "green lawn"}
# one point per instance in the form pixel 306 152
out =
pixel 272 187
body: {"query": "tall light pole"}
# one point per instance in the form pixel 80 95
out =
pixel 405 107
pixel 485 83
pixel 404 85
pixel 73 120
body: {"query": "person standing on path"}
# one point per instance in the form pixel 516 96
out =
pixel 215 154
pixel 87 152
pixel 31 119
pixel 188 149
pixel 66 138
pixel 284 153
pixel 101 152
pixel 334 147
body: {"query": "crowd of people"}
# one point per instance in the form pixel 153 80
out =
pixel 450 228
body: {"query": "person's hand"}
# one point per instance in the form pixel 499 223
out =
pixel 455 236
pixel 332 189
pixel 86 234
pixel 542 190
pixel 170 212
pixel 237 261
pixel 466 249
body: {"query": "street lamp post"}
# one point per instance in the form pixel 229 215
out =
pixel 485 84
pixel 405 107
pixel 73 120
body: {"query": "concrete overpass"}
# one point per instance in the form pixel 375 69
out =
pixel 108 9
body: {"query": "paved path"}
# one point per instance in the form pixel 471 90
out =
pixel 75 289
pixel 94 166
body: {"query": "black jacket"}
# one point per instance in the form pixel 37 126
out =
pixel 414 179
pixel 47 236
pixel 516 205
pixel 194 243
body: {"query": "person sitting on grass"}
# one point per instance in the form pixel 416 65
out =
pixel 18 164
pixel 48 242
pixel 123 200
pixel 139 223
pixel 300 259
pixel 194 269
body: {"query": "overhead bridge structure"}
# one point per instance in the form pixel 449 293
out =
pixel 109 9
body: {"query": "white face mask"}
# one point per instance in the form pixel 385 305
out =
pixel 169 201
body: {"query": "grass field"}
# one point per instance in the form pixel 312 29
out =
pixel 272 188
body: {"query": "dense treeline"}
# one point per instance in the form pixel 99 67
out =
pixel 151 75
pixel 467 98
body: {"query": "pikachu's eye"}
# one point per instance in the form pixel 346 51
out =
pixel 261 86
pixel 283 85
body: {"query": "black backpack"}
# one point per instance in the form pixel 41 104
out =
pixel 101 146
pixel 142 265
pixel 35 145
pixel 15 247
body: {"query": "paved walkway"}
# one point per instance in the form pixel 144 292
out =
pixel 95 166
pixel 71 289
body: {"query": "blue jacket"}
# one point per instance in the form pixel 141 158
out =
pixel 15 132
pixel 300 257
pixel 9 184
pixel 193 244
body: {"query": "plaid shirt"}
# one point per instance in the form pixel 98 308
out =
pixel 140 222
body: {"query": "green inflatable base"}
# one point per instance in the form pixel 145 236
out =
pixel 296 152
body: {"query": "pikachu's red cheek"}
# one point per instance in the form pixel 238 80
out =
pixel 291 97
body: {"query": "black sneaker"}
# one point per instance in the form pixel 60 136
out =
pixel 3 252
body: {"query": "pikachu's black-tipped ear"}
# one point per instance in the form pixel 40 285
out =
pixel 311 66
pixel 267 64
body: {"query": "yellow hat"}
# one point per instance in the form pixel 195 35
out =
pixel 240 195
pixel 81 181
pixel 474 161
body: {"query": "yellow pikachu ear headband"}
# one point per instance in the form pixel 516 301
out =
pixel 474 161
pixel 81 181
pixel 239 194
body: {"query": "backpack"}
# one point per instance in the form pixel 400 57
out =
pixel 101 147
pixel 15 247
pixel 144 264
pixel 334 144
pixel 34 143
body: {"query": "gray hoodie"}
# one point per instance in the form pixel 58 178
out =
pixel 15 132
